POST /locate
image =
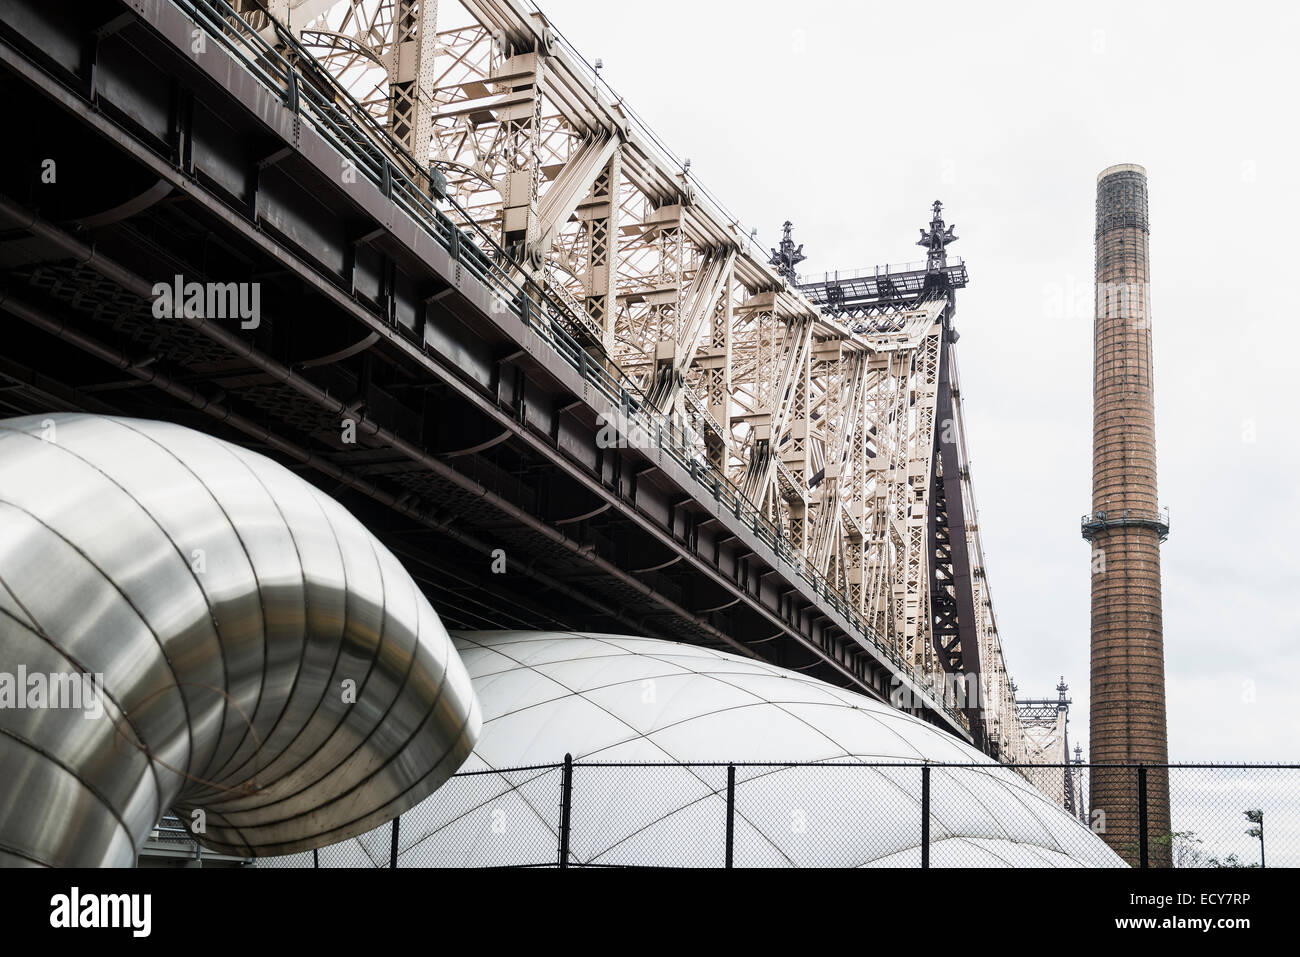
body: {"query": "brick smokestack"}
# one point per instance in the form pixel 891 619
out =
pixel 1126 527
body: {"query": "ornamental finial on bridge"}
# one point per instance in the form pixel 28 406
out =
pixel 787 256
pixel 936 240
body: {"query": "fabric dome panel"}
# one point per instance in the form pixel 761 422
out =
pixel 628 700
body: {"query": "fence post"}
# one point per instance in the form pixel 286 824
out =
pixel 925 815
pixel 731 813
pixel 1143 861
pixel 566 806
pixel 392 854
pixel 315 857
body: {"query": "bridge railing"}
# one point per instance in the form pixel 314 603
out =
pixel 331 111
pixel 841 814
pixel 1157 520
pixel 869 272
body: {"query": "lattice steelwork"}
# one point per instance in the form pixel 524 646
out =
pixel 822 408
pixel 1046 724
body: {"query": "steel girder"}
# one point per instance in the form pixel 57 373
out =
pixel 828 429
pixel 473 409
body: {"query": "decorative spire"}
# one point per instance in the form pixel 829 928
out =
pixel 935 240
pixel 788 256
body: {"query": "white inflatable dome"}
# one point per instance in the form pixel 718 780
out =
pixel 610 698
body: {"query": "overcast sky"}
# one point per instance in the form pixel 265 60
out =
pixel 851 118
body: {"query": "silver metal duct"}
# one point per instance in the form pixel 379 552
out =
pixel 269 670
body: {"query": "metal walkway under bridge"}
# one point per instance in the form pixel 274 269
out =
pixel 426 257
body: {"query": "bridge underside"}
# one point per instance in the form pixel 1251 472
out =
pixel 382 365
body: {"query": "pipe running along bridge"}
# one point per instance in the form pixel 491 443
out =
pixel 436 266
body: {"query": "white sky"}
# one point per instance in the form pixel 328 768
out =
pixel 850 118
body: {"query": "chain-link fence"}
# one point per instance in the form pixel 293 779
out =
pixel 840 814
pixel 1234 817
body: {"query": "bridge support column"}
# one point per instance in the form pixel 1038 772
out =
pixel 411 76
pixel 600 215
pixel 715 363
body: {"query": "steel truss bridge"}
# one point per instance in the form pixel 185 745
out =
pixel 1046 725
pixel 501 322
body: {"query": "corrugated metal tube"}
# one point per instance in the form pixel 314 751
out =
pixel 185 624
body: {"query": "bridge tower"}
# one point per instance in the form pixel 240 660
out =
pixel 1126 527
pixel 1046 722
